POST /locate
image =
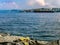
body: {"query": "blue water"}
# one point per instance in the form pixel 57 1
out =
pixel 40 26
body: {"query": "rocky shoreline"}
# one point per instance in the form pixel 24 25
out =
pixel 7 39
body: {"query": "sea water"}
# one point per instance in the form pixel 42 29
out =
pixel 39 26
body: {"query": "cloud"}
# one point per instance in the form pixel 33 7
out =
pixel 10 5
pixel 44 3
pixel 40 2
pixel 31 2
pixel 28 4
pixel 53 3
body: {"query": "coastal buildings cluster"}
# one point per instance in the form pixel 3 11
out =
pixel 44 10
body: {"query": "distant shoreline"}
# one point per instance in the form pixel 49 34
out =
pixel 28 11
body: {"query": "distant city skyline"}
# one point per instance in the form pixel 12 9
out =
pixel 28 4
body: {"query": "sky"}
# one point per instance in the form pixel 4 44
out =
pixel 28 4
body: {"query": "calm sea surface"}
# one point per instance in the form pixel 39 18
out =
pixel 40 26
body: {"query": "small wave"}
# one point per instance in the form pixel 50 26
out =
pixel 2 29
